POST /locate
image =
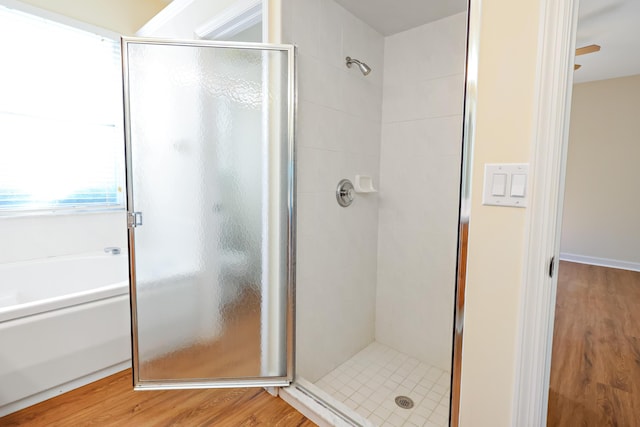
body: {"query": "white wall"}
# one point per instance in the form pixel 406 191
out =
pixel 419 188
pixel 339 113
pixel 602 200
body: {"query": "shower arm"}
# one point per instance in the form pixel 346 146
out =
pixel 364 68
pixel 351 61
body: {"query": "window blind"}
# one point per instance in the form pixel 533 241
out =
pixel 61 138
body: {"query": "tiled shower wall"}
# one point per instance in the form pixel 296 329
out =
pixel 339 125
pixel 419 188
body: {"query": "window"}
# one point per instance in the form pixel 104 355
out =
pixel 61 138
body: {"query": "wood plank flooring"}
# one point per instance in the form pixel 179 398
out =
pixel 595 368
pixel 457 343
pixel 112 402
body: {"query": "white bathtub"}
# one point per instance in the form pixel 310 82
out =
pixel 64 322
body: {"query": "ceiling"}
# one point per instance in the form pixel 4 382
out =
pixel 612 24
pixel 388 17
pixel 615 26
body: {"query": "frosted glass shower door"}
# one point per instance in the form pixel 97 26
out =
pixel 210 203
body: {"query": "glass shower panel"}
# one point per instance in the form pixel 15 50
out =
pixel 209 171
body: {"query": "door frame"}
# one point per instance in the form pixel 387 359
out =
pixel 229 20
pixel 290 231
pixel 234 19
pixel 555 62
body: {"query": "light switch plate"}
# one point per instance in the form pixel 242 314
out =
pixel 516 190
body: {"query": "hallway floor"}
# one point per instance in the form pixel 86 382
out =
pixel 112 402
pixel 369 382
pixel 595 366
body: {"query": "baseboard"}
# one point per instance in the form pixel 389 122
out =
pixel 602 262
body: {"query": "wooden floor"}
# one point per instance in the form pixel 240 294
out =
pixel 112 402
pixel 595 368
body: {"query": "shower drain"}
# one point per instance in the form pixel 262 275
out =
pixel 404 402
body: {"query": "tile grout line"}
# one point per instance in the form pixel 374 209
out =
pixel 370 380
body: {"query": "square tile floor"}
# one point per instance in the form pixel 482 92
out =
pixel 370 381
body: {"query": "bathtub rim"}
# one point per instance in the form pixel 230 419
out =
pixel 18 311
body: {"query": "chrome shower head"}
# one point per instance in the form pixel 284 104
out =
pixel 364 68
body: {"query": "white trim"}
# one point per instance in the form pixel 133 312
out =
pixel 602 262
pixel 236 18
pixel 318 412
pixel 558 19
pixel 60 19
pixel 163 17
pixel 307 406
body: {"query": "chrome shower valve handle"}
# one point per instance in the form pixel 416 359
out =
pixel 345 193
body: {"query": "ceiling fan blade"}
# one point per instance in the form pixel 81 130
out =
pixel 576 66
pixel 587 49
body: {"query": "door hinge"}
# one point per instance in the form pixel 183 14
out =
pixel 134 219
pixel 552 266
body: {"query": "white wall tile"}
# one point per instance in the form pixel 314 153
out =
pixel 413 159
pixel 353 37
pixel 305 23
pixel 441 51
pixel 446 47
pixel 317 82
pixel 360 135
pixel 400 58
pixel 414 100
pixel 287 27
pixel 320 170
pixel 374 55
pixel 400 102
pixel 435 137
pixel 442 96
pixel 323 127
pixel 336 272
pixel 307 170
pixel 330 33
pixel 419 182
pixel 337 138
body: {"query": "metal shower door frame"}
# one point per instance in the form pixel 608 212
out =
pixel 132 219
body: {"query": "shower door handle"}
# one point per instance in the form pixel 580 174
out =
pixel 134 219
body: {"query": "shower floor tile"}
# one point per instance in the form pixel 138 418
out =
pixel 370 381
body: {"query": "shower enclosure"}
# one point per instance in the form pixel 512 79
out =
pixel 375 283
pixel 210 182
pixel 219 233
